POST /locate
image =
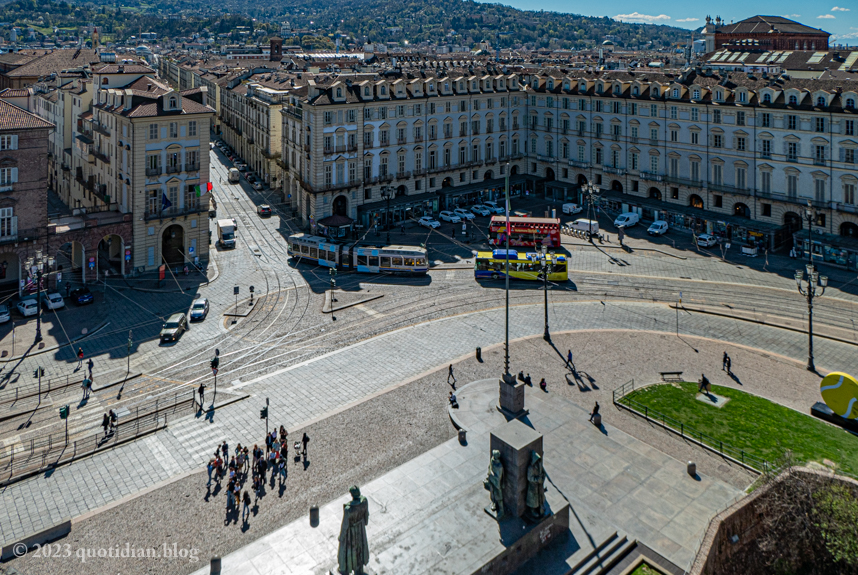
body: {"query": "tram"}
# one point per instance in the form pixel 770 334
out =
pixel 366 259
pixel 524 266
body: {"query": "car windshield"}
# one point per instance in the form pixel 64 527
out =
pixel 228 235
pixel 200 305
pixel 171 325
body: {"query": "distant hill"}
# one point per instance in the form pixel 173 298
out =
pixel 461 22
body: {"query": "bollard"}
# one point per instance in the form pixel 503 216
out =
pixel 692 469
pixel 215 566
pixel 314 516
pixel 479 354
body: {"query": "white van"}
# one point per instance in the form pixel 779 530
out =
pixel 627 220
pixel 584 225
pixel 234 175
pixel 226 233
pixel 572 209
pixel 657 228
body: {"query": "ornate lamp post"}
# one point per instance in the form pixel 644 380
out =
pixel 387 194
pixel 814 286
pixel 592 194
pixel 546 335
pixel 38 264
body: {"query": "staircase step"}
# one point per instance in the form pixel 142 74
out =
pixel 607 557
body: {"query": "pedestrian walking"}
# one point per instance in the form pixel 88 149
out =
pixel 305 440
pixel 726 363
pixel 229 496
pixel 86 385
pixel 595 411
pixel 112 415
pixel 450 375
pixel 704 383
pixel 569 363
pixel 542 385
pixel 202 391
pixel 105 423
pixel 210 468
pixel 281 471
pixel 90 364
pixel 527 380
pixel 79 358
pixel 68 288
pixel 245 512
pixel 224 448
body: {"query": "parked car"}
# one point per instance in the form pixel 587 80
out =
pixel 464 214
pixel 449 217
pixel 657 228
pixel 241 167
pixel 264 210
pixel 627 220
pixel 199 309
pixel 572 209
pixel 429 222
pixel 5 315
pixel 81 296
pixel 257 186
pixel 481 210
pixel 28 307
pixel 495 207
pixel 706 240
pixel 584 225
pixel 52 300
pixel 175 326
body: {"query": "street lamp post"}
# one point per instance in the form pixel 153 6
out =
pixel 592 192
pixel 546 335
pixel 387 195
pixel 130 343
pixel 813 287
pixel 39 262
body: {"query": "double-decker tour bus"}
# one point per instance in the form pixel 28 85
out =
pixel 525 232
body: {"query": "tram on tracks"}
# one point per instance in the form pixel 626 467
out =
pixel 411 260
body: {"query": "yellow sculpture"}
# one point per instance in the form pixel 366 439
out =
pixel 840 393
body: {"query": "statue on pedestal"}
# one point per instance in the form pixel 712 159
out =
pixel 535 486
pixel 353 553
pixel 494 483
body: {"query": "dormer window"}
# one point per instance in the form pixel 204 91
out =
pixel 743 97
pixel 172 103
pixel 384 90
pixel 598 88
pixel 104 81
pixel 446 86
pixel 635 91
pixel 695 95
pixel 366 91
pixel 820 101
pixel 461 86
pixel 339 92
pixel 550 84
pixel 431 86
pixel 655 92
pixel 767 98
pixel 793 100
pixel 719 95
pixel 676 92
pixel 473 85
pixel 617 89
pixel 850 102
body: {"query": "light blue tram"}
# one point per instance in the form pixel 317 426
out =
pixel 367 259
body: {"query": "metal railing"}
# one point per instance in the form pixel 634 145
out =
pixel 24 459
pixel 620 397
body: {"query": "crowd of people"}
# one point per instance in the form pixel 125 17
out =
pixel 247 470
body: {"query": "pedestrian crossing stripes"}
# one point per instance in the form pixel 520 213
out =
pixel 162 455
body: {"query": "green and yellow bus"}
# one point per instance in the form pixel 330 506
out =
pixel 523 266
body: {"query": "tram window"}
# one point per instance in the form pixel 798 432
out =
pixel 409 262
pixel 296 248
pixel 314 253
pixel 373 261
pixel 385 261
pixel 305 249
pixel 361 260
pixel 397 261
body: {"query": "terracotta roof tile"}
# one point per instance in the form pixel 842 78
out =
pixel 14 118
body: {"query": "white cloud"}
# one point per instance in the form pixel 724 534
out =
pixel 638 17
pixel 827 16
pixel 839 9
pixel 688 19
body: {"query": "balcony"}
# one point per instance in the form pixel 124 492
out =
pixel 515 125
pixel 101 157
pixel 542 158
pixel 851 208
pixel 819 162
pixel 653 142
pixel 174 211
pixel 581 133
pixel 152 172
pixel 791 199
pixel 579 164
pixel 174 169
pixel 612 170
pixel 6 187
pixel 402 175
pixel 633 140
pixel 651 176
pixel 401 141
pixel 491 161
pixel 683 181
pixel 192 167
pixel 100 129
pixel 463 133
pixel 448 135
pixel 793 159
pixel 281 164
pixel 615 137
pixel 328 151
pixel 726 189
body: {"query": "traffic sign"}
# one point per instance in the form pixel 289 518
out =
pixel 214 371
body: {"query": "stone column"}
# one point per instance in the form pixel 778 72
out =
pixel 511 397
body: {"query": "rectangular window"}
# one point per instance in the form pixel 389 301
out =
pixel 766 148
pixel 719 200
pixel 153 131
pixel 792 186
pixel 741 178
pixel 174 130
pixel 695 171
pixel 740 118
pixel 653 133
pixel 767 210
pixel 653 110
pixel 849 194
pixel 792 151
pixel 848 127
pixel 351 116
pixel 717 174
pixel 717 141
pixel 653 164
pixel 716 116
pixel 766 182
pixel 328 118
pixel 581 153
pixel 367 113
pixel 367 169
pixel 7 176
pixel 418 161
pixel 367 139
pixel 400 111
pixel 695 138
pixel 352 170
pixel 633 108
pixel 674 112
pixel 382 167
pixel 634 160
pixel 674 135
pixel 192 128
pixel 328 175
pixel 741 143
pixel 695 115
pixel 849 156
pixel 674 167
pixel 819 154
pixel 820 125
pixel 8 142
pixel 819 190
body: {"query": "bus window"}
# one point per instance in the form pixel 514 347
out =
pixel 361 260
pixel 373 261
pixel 482 265
pixel 385 261
pixel 314 253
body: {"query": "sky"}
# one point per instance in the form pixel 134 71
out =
pixel 840 18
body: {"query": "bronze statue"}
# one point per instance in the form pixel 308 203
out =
pixel 494 483
pixel 353 553
pixel 535 486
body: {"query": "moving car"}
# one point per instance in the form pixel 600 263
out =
pixel 175 326
pixel 28 307
pixel 584 225
pixel 52 300
pixel 494 207
pixel 572 209
pixel 706 240
pixel 4 313
pixel 199 309
pixel 481 210
pixel 81 296
pixel 627 220
pixel 226 233
pixel 464 214
pixel 264 210
pixel 449 217
pixel 657 228
pixel 429 222
pixel 257 186
pixel 233 176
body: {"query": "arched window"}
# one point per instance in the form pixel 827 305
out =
pixel 366 91
pixel 339 92
pixel 696 94
pixel 676 92
pixel 550 84
pixel 384 90
pixel 635 91
pixel 431 86
pixel 820 101
pixel 617 89
pixel 793 100
pixel 767 98
pixel 104 81
pixel 655 92
pixel 850 102
pixel 719 95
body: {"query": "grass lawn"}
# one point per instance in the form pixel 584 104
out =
pixel 760 427
pixel 644 569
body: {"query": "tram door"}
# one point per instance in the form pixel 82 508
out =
pixel 328 255
pixel 367 260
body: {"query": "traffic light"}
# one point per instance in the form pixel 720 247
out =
pixel 263 413
pixel 64 412
pixel 215 362
pixel 39 371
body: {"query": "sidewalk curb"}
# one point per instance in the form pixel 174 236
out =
pixel 98 328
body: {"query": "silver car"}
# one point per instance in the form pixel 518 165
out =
pixel 199 309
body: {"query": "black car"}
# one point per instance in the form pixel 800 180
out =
pixel 264 210
pixel 81 296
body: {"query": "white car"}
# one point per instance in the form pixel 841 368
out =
pixel 494 207
pixel 4 313
pixel 52 300
pixel 449 217
pixel 657 228
pixel 572 209
pixel 706 240
pixel 481 210
pixel 464 214
pixel 429 222
pixel 28 307
pixel 257 186
pixel 627 220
